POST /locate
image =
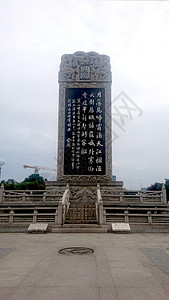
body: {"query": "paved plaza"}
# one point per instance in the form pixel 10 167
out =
pixel 122 267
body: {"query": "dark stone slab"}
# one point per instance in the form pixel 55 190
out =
pixel 5 251
pixel 158 257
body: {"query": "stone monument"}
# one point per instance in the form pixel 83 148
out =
pixel 85 139
pixel 84 166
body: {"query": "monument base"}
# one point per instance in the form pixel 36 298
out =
pixel 111 184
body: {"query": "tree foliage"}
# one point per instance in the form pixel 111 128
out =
pixel 33 182
pixel 158 186
pixel 155 187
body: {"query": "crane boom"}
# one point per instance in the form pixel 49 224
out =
pixel 37 168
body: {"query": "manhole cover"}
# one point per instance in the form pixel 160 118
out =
pixel 76 251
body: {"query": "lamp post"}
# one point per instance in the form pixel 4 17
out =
pixel 1 164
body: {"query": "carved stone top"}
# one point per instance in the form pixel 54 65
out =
pixel 83 67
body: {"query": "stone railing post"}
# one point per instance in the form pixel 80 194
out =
pixel 1 192
pixel 126 216
pixel 101 218
pixel 56 216
pixel 104 216
pixel 11 217
pixel 100 206
pixel 121 197
pixel 149 217
pixel 60 213
pixel 44 196
pixel 163 194
pixel 23 196
pixel 141 197
pixel 35 213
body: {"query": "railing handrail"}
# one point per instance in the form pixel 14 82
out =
pixel 65 196
pixel 65 202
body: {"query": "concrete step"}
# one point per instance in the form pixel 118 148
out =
pixel 82 225
pixel 79 228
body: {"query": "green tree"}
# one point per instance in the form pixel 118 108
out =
pixel 155 187
pixel 33 182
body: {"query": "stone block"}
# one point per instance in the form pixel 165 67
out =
pixel 38 227
pixel 124 227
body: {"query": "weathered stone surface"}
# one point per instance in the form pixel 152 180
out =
pixel 38 227
pixel 121 227
pixel 117 270
pixel 85 72
pixel 81 66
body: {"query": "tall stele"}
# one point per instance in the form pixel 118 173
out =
pixel 85 139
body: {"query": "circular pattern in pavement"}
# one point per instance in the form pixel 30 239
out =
pixel 76 251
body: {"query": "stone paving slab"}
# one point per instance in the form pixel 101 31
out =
pixel 5 251
pixel 158 257
pixel 118 269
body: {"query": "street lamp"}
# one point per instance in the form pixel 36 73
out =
pixel 1 164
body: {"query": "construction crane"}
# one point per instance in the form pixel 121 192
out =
pixel 1 164
pixel 37 168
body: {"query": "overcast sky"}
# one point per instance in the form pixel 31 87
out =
pixel 34 34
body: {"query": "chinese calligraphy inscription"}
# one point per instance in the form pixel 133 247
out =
pixel 84 146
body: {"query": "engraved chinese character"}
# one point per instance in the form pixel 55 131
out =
pixel 83 151
pixel 91 117
pixel 99 126
pixel 99 103
pixel 84 103
pixel 91 159
pixel 91 135
pixel 84 94
pixel 91 151
pixel 91 110
pixel 83 142
pixel 68 141
pixel 98 110
pixel 84 126
pixel 91 101
pixel 99 135
pixel 84 109
pixel 91 95
pixel 84 118
pixel 90 169
pixel 99 169
pixel 91 125
pixel 99 144
pixel 91 143
pixel 84 134
pixel 99 160
pixel 99 117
